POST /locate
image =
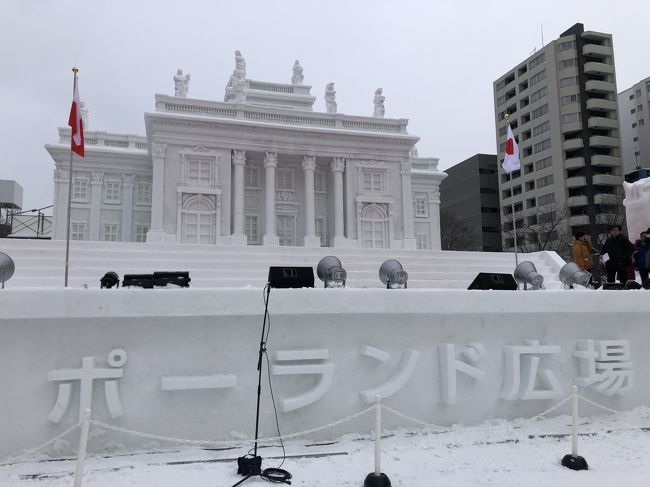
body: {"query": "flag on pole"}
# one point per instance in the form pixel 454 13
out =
pixel 511 160
pixel 76 123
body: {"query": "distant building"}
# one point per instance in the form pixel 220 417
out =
pixel 563 109
pixel 470 201
pixel 634 107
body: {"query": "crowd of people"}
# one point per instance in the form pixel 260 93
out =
pixel 621 257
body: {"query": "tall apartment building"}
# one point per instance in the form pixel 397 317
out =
pixel 634 106
pixel 562 106
pixel 469 205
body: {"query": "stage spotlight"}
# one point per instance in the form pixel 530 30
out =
pixel 109 280
pixel 526 273
pixel 393 275
pixel 331 272
pixel 7 268
pixel 571 275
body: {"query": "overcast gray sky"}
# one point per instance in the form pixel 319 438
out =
pixel 435 60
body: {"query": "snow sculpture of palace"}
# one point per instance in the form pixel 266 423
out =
pixel 260 167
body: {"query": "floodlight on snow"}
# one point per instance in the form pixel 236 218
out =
pixel 393 275
pixel 7 268
pixel 109 280
pixel 526 274
pixel 571 275
pixel 331 272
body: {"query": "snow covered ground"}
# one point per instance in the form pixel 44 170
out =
pixel 497 453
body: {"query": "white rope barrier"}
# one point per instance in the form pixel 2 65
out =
pixel 593 403
pixel 10 459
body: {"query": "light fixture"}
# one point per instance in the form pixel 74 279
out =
pixel 331 272
pixel 7 268
pixel 393 275
pixel 526 274
pixel 109 280
pixel 571 275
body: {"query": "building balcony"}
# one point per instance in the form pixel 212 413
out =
pixel 594 50
pixel 604 141
pixel 593 67
pixel 576 182
pixel 578 220
pixel 572 144
pixel 602 123
pixel 601 160
pixel 571 127
pixel 608 199
pixel 607 180
pixel 609 218
pixel 596 86
pixel 574 162
pixel 577 201
pixel 600 104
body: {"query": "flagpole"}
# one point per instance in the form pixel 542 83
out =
pixel 514 216
pixel 75 70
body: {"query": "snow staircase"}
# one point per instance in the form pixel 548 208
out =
pixel 41 263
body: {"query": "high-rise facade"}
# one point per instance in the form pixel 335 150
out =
pixel 634 105
pixel 561 103
pixel 469 205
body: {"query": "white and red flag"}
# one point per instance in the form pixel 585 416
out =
pixel 76 123
pixel 511 160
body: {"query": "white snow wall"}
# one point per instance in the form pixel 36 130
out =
pixel 204 344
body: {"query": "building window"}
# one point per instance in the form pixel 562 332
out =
pixel 541 93
pixel 112 192
pixel 285 179
pixel 632 96
pixel 541 128
pixel 542 163
pixel 80 189
pixel 635 139
pixel 569 81
pixel 538 112
pixel 641 121
pixel 78 231
pixel 319 181
pixel 634 125
pixel 252 177
pixel 252 229
pixel 565 46
pixel 638 93
pixel 143 193
pixel 320 230
pixel 566 100
pixel 547 217
pixel 538 77
pixel 422 241
pixel 545 181
pixel 373 181
pixel 537 61
pixel 141 233
pixel 421 207
pixel 546 199
pixel 568 63
pixel 639 108
pixel 571 117
pixel 199 172
pixel 633 111
pixel 543 145
pixel 110 232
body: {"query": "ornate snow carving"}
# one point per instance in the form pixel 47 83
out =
pixel 330 98
pixel 181 83
pixel 297 77
pixel 379 104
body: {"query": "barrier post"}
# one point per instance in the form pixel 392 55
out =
pixel 83 444
pixel 574 461
pixel 377 478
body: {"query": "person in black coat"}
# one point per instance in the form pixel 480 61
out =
pixel 619 250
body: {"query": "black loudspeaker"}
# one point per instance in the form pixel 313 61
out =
pixel 179 278
pixel 614 286
pixel 491 280
pixel 138 280
pixel 287 277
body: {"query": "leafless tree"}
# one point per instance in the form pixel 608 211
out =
pixel 455 235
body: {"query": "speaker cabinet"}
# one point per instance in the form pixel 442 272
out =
pixel 491 280
pixel 291 277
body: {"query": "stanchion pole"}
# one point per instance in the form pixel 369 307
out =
pixel 83 444
pixel 574 461
pixel 377 478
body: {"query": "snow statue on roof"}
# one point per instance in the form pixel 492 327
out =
pixel 330 98
pixel 85 115
pixel 240 64
pixel 181 82
pixel 297 77
pixel 636 202
pixel 379 104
